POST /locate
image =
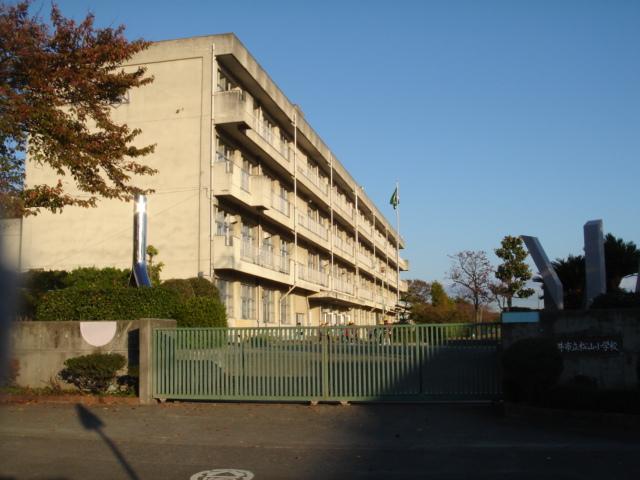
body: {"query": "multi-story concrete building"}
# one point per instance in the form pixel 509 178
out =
pixel 247 194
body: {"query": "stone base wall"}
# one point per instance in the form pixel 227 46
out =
pixel 39 349
pixel 609 369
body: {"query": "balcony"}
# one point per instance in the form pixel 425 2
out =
pixel 313 230
pixel 365 261
pixel 365 226
pixel 280 211
pixel 342 285
pixel 404 265
pixel 365 293
pixel 343 248
pixel 343 208
pixel 313 181
pixel 232 180
pixel 232 253
pixel 233 106
pixel 381 241
pixel 313 276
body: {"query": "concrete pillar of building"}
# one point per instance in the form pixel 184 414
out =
pixel 145 346
pixel 596 282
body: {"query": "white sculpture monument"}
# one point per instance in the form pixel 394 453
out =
pixel 596 281
pixel 554 293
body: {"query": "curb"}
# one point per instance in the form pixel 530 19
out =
pixel 581 417
pixel 65 399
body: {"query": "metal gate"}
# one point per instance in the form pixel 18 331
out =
pixel 352 363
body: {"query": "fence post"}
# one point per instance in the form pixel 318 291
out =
pixel 325 362
pixel 145 379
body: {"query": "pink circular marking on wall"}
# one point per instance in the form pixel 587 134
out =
pixel 98 334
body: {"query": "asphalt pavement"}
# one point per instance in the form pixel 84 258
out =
pixel 208 441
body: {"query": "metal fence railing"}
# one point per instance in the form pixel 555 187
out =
pixel 357 363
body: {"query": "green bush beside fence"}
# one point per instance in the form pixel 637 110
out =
pixel 201 312
pixel 93 373
pixel 107 304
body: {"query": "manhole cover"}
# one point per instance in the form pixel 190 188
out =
pixel 223 474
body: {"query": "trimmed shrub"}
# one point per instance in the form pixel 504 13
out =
pixel 181 287
pixel 201 312
pixel 203 287
pixel 35 283
pixel 619 299
pixel 93 373
pixel 102 278
pixel 191 287
pixel 531 366
pixel 108 304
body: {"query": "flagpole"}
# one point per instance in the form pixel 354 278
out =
pixel 398 252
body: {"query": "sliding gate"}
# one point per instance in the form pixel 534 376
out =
pixel 358 363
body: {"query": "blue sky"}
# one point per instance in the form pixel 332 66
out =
pixel 496 117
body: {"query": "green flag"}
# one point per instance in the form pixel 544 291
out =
pixel 395 200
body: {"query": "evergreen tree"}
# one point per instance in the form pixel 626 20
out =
pixel 513 272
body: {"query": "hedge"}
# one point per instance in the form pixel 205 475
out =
pixel 180 287
pixel 191 287
pixel 201 312
pixel 203 287
pixel 107 304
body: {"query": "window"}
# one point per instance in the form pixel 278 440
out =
pixel 224 153
pixel 248 241
pixel 299 318
pixel 245 174
pixel 224 82
pixel 223 225
pixel 284 256
pixel 267 249
pixel 284 310
pixel 283 200
pixel 284 146
pixel 225 288
pixel 248 301
pixel 268 305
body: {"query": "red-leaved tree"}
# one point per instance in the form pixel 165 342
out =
pixel 58 84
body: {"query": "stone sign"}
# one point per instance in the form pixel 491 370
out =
pixel 590 345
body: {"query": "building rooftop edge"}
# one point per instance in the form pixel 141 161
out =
pixel 317 140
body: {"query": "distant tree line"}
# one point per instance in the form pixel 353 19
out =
pixel 476 285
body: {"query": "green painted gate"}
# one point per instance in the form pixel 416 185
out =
pixel 357 363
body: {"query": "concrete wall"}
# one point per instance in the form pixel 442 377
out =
pixel 10 242
pixel 39 349
pixel 172 114
pixel 609 370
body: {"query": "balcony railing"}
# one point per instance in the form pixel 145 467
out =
pixel 281 204
pixel 342 285
pixel 364 224
pixel 318 277
pixel 314 178
pixel 343 246
pixel 238 176
pixel 365 293
pixel 345 207
pixel 313 226
pixel 365 260
pixel 264 257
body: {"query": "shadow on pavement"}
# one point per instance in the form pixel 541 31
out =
pixel 91 421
